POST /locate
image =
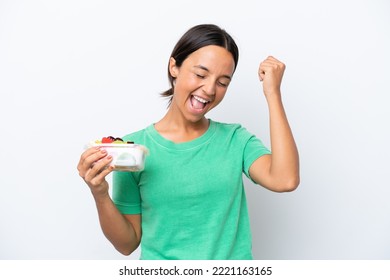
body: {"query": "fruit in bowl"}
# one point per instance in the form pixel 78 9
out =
pixel 126 156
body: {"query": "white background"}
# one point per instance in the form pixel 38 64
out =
pixel 73 71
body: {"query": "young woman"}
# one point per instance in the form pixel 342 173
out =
pixel 189 201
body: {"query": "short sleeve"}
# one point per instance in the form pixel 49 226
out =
pixel 253 149
pixel 125 193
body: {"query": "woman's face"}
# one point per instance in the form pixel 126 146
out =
pixel 201 81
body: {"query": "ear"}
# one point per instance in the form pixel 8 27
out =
pixel 173 69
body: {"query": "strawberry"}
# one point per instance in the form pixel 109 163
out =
pixel 106 140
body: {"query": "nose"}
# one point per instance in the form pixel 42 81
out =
pixel 209 88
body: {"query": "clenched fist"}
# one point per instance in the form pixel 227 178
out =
pixel 271 73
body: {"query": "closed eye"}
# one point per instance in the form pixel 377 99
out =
pixel 223 84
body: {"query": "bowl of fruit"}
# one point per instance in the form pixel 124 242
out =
pixel 126 156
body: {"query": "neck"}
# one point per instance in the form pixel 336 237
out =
pixel 178 129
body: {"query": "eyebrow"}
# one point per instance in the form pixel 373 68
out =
pixel 206 69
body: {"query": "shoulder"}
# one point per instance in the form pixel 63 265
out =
pixel 136 136
pixel 226 126
pixel 233 129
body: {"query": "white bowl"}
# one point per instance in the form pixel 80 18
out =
pixel 126 157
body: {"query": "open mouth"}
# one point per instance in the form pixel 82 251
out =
pixel 198 102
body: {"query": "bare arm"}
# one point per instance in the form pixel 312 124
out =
pixel 123 231
pixel 280 171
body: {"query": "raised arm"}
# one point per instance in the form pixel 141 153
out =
pixel 279 171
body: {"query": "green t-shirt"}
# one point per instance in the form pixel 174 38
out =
pixel 191 195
